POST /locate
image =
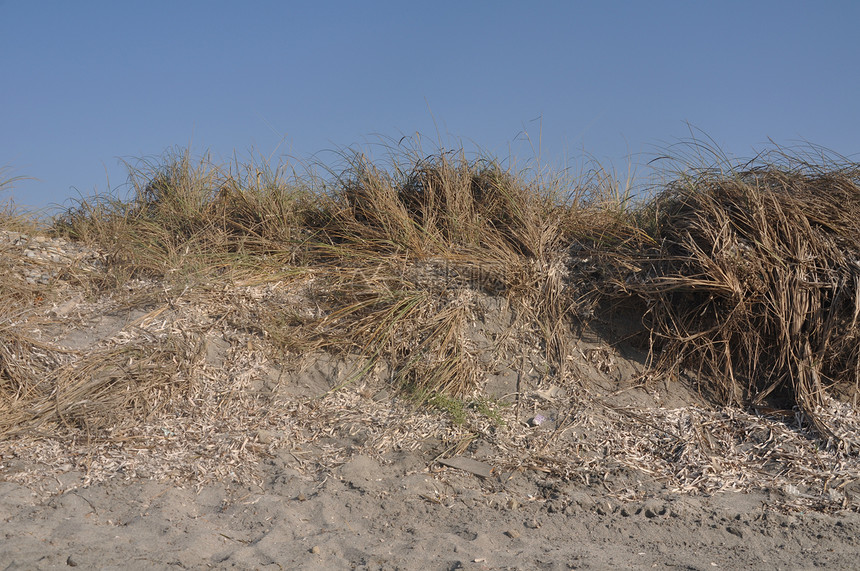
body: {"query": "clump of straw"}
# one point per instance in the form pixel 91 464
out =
pixel 751 280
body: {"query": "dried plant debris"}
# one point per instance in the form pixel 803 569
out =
pixel 751 280
pixel 705 340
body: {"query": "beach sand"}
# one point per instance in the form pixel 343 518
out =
pixel 254 463
pixel 396 514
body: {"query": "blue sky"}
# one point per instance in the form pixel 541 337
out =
pixel 85 84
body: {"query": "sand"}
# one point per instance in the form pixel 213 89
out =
pixel 398 515
pixel 258 464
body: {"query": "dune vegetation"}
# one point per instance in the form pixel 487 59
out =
pixel 743 279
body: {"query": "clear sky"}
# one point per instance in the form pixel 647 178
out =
pixel 85 83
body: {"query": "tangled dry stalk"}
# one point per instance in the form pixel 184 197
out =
pixel 751 279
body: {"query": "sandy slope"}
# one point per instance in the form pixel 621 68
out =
pixel 251 469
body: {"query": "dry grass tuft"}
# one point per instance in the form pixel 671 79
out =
pixel 476 227
pixel 105 390
pixel 189 218
pixel 751 281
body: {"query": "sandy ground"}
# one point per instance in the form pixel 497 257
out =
pixel 396 514
pixel 375 496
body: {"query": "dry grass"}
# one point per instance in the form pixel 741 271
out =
pixel 750 280
pixel 360 235
pixel 189 218
pixel 398 257
pixel 746 279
